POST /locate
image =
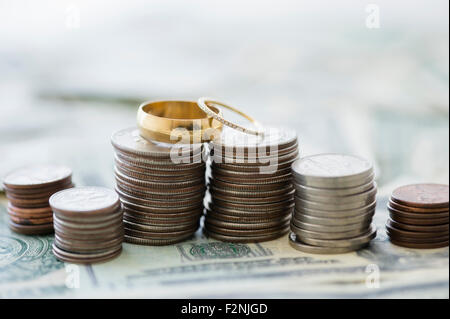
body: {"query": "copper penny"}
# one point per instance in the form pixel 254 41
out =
pixel 413 234
pixel 37 176
pixel 417 215
pixel 422 195
pixel 410 209
pixel 419 221
pixel 31 221
pixel 31 229
pixel 419 246
pixel 418 228
pixel 417 240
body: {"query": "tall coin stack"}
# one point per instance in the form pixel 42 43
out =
pixel 419 216
pixel 252 196
pixel 161 187
pixel 334 204
pixel 28 190
pixel 88 224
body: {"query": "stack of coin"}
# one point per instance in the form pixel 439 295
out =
pixel 334 204
pixel 252 196
pixel 28 190
pixel 161 187
pixel 419 215
pixel 88 224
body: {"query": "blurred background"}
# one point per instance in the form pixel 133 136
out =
pixel 356 77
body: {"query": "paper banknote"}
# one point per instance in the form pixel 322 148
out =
pixel 202 268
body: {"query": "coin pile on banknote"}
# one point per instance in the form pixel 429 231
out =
pixel 161 187
pixel 28 190
pixel 88 224
pixel 334 204
pixel 252 196
pixel 419 216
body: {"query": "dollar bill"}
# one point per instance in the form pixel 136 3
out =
pixel 202 268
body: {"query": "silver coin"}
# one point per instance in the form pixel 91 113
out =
pixel 129 140
pixel 249 219
pixel 321 250
pixel 158 229
pixel 87 224
pixel 173 203
pixel 253 163
pixel 278 171
pixel 337 214
pixel 160 210
pixel 135 168
pixel 155 242
pixel 246 226
pixel 248 212
pixel 252 194
pixel 336 184
pixel 330 229
pixel 325 235
pixel 90 219
pixel 334 192
pixel 252 153
pixel 138 182
pixel 301 203
pixel 219 198
pixel 180 164
pixel 341 221
pixel 332 171
pixel 349 242
pixel 84 200
pixel 339 199
pixel 274 139
pixel 262 179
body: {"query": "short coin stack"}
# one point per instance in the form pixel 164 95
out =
pixel 161 187
pixel 252 196
pixel 88 224
pixel 28 190
pixel 419 216
pixel 334 204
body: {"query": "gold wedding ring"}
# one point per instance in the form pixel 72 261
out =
pixel 172 121
pixel 207 105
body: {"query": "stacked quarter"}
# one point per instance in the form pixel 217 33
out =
pixel 334 204
pixel 161 187
pixel 28 190
pixel 88 224
pixel 419 216
pixel 252 196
